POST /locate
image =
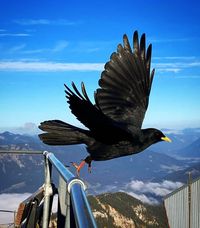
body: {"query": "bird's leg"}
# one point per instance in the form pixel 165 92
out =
pixel 90 167
pixel 78 167
pixel 87 160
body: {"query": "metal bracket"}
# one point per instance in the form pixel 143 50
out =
pixel 46 154
pixel 75 181
pixel 48 190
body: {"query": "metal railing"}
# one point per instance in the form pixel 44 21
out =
pixel 73 207
pixel 80 211
pixel 11 224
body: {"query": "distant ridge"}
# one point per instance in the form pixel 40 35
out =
pixel 149 167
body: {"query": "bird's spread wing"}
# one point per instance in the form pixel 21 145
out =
pixel 82 107
pixel 100 125
pixel 125 83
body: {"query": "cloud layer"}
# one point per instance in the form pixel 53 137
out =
pixel 141 189
pixel 43 21
pixel 148 192
pixel 49 66
pixel 10 202
pixel 158 189
pixel 14 34
pixel 42 66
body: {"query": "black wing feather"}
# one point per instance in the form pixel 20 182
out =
pixel 125 83
pixel 82 107
pixel 101 126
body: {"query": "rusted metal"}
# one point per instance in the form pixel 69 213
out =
pixel 25 206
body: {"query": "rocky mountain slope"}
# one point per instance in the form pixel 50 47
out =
pixel 122 210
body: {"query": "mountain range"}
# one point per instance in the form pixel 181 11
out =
pixel 133 174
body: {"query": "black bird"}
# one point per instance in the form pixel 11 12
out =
pixel 114 122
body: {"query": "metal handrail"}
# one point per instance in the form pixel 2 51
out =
pixel 78 212
pixel 21 152
pixel 8 211
pixel 75 195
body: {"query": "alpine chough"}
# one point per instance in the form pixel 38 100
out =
pixel 114 122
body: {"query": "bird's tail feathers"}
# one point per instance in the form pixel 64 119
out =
pixel 61 133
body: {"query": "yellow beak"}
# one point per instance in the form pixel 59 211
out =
pixel 166 139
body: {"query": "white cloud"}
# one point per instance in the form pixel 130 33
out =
pixel 32 22
pixel 172 131
pixel 171 185
pixel 144 198
pixel 178 65
pixel 10 202
pixel 14 34
pixel 61 45
pixel 171 168
pixel 174 70
pixel 158 189
pixel 28 128
pixel 175 57
pixel 44 22
pixel 170 40
pixel 188 76
pixel 49 66
pixel 17 48
pixel 34 51
pixel 57 66
pixel 194 64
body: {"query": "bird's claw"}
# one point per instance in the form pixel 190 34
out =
pixel 74 164
pixel 80 166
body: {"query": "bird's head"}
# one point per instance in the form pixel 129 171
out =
pixel 155 135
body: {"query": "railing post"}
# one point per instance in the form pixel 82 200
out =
pixel 77 210
pixel 14 217
pixel 82 212
pixel 48 191
pixel 68 209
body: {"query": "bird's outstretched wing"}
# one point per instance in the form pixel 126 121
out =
pixel 82 107
pixel 100 125
pixel 125 83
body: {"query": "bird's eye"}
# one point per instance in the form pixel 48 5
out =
pixel 158 135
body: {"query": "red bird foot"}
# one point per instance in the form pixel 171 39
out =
pixel 88 160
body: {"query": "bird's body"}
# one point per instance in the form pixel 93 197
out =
pixel 100 151
pixel 114 122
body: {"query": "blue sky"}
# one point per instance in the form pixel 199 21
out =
pixel 44 44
